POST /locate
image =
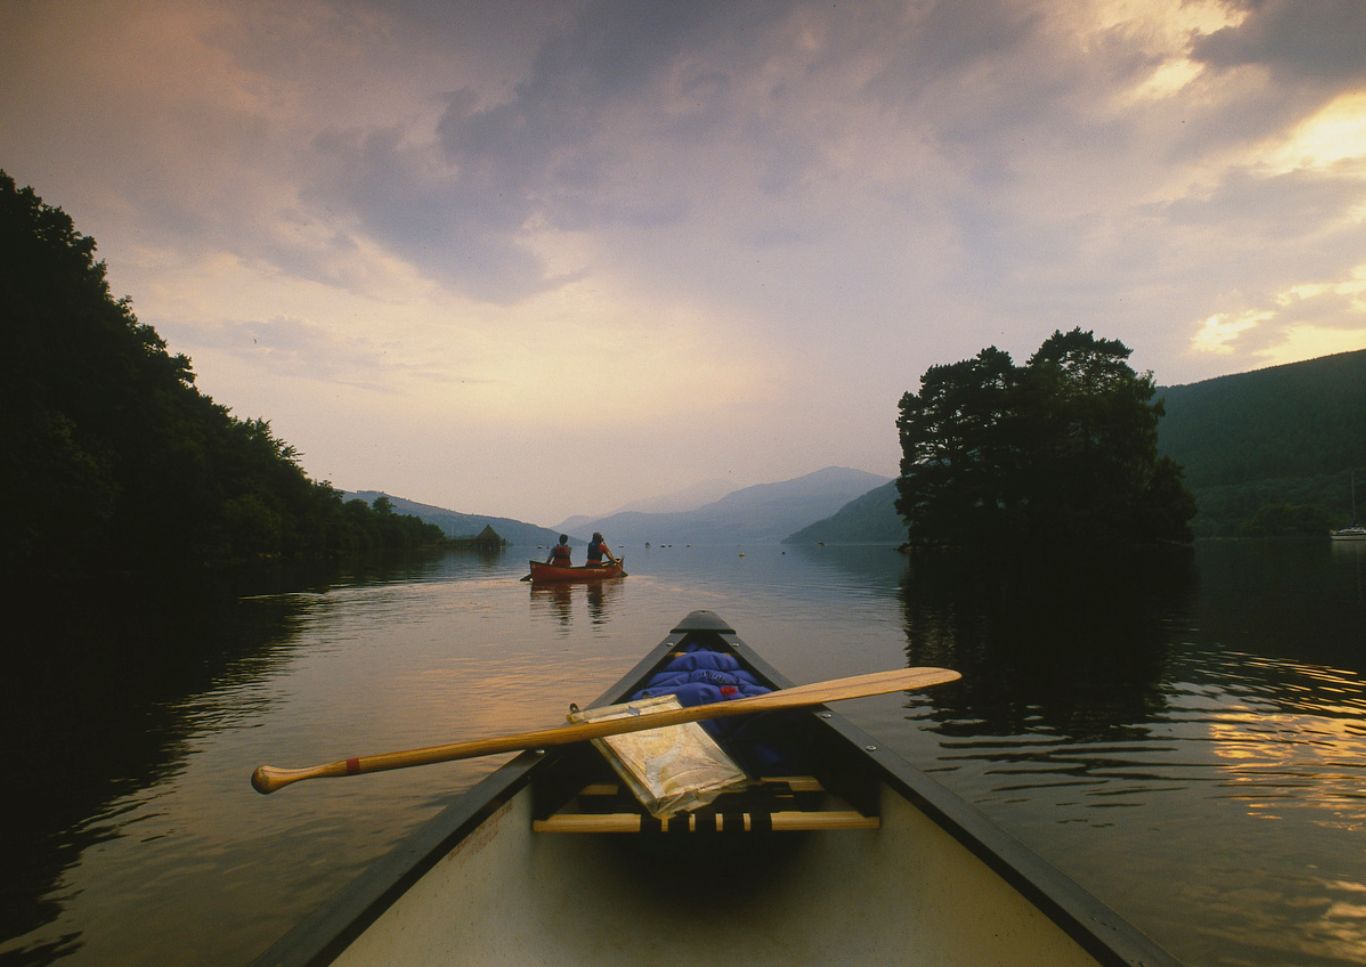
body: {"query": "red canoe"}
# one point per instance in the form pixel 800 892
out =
pixel 542 573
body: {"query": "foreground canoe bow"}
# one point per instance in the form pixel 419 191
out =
pixel 548 860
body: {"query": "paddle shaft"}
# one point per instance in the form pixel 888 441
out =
pixel 267 779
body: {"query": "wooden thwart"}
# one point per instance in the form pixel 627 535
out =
pixel 609 815
pixel 787 821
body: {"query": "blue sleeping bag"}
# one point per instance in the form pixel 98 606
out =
pixel 699 677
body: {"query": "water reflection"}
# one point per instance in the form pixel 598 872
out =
pixel 1131 723
pixel 1350 557
pixel 110 694
pixel 555 601
pixel 1202 697
pixel 874 568
pixel 1279 735
pixel 558 602
pixel 1077 647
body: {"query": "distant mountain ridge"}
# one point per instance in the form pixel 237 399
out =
pixel 455 524
pixel 763 513
pixel 689 498
pixel 867 519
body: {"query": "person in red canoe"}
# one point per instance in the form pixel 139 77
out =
pixel 560 553
pixel 597 547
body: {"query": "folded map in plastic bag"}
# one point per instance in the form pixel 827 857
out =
pixel 670 770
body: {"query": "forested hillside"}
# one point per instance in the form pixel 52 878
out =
pixel 1268 452
pixel 114 460
pixel 457 525
pixel 870 519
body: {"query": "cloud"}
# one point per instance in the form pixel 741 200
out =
pixel 1309 342
pixel 461 231
pixel 1220 331
pixel 1299 321
pixel 291 348
pixel 464 203
pixel 1320 40
pixel 1281 207
pixel 757 224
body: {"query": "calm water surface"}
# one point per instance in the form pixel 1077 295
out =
pixel 1185 737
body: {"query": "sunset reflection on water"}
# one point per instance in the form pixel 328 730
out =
pixel 1187 744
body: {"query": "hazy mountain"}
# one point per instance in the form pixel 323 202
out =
pixel 764 513
pixel 689 498
pixel 867 519
pixel 576 525
pixel 455 524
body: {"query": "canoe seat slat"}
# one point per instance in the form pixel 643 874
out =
pixel 787 821
pixel 779 803
pixel 794 783
pixel 600 789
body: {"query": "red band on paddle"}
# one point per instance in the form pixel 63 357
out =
pixel 352 765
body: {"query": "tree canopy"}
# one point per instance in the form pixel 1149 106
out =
pixel 115 460
pixel 1062 450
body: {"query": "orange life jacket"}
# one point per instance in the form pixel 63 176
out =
pixel 560 555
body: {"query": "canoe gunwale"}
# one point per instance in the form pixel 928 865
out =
pixel 1099 930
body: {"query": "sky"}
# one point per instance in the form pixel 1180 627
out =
pixel 542 259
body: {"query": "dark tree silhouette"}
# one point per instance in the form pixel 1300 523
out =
pixel 1062 450
pixel 115 460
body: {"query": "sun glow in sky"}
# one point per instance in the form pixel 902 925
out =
pixel 541 259
pixel 1333 135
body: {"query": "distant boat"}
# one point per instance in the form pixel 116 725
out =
pixel 549 573
pixel 1355 532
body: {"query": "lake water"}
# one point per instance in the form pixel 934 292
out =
pixel 1185 736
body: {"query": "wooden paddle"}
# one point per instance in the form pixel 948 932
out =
pixel 267 779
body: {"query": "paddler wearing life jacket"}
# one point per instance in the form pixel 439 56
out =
pixel 597 547
pixel 560 553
